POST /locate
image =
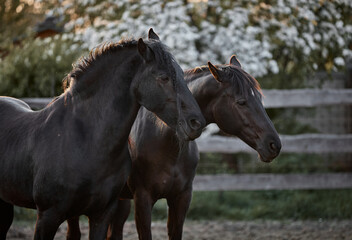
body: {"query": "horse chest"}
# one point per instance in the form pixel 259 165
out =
pixel 163 174
pixel 170 182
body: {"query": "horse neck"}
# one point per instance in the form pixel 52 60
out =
pixel 108 104
pixel 204 89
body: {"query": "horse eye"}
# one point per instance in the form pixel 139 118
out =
pixel 241 101
pixel 163 79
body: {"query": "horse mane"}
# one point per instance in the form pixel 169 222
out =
pixel 199 69
pixel 85 62
pixel 194 73
pixel 239 77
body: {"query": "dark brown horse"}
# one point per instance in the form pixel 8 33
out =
pixel 71 158
pixel 163 167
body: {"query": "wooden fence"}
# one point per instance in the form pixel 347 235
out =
pixel 304 143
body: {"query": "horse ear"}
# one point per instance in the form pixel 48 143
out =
pixel 215 72
pixel 153 35
pixel 234 61
pixel 144 50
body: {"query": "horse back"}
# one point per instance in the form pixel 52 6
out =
pixel 9 105
pixel 13 113
pixel 14 124
pixel 14 132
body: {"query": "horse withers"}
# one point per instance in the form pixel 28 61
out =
pixel 71 158
pixel 164 167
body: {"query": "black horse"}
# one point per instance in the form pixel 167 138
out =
pixel 71 158
pixel 164 168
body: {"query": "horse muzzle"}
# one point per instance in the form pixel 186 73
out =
pixel 191 128
pixel 270 148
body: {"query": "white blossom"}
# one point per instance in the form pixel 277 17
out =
pixel 297 24
pixel 339 61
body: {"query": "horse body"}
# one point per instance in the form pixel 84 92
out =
pixel 164 167
pixel 64 126
pixel 71 158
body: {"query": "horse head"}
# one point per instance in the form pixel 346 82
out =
pixel 238 110
pixel 161 89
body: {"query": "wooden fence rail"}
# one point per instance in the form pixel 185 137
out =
pixel 302 143
pixel 257 181
pixel 306 97
pixel 273 98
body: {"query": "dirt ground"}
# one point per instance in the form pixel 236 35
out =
pixel 216 230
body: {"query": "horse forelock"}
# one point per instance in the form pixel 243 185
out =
pixel 243 82
pixel 166 59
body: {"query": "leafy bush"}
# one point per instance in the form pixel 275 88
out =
pixel 36 67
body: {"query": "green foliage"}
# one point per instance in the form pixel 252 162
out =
pixel 286 122
pixel 16 18
pixel 212 163
pixel 215 163
pixel 160 210
pixel 290 163
pixel 37 67
pixel 24 214
pixel 279 205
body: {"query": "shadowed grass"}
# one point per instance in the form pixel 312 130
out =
pixel 279 205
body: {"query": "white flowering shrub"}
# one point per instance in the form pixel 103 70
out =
pixel 238 37
pixel 315 34
pixel 169 21
pixel 269 37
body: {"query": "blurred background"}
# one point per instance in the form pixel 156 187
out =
pixel 285 44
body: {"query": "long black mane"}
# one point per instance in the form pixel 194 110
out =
pixel 85 63
pixel 240 79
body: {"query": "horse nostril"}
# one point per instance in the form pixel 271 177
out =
pixel 195 124
pixel 275 147
pixel 272 146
